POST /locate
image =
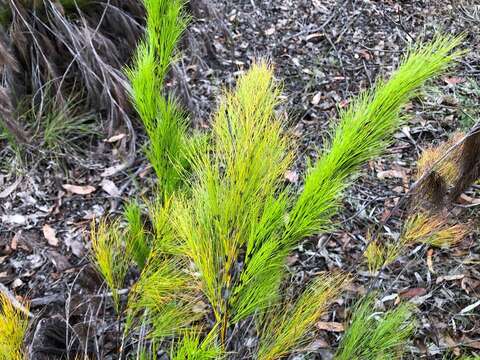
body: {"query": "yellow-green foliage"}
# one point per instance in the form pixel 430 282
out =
pixel 448 169
pixel 221 244
pixel 13 327
pixel 191 347
pixel 371 336
pixel 432 229
pixel 289 323
pixel 109 256
pixel 365 129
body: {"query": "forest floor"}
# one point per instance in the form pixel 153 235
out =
pixel 324 52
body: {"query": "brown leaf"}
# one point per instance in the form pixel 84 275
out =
pixel 79 190
pixel 441 279
pixel 412 292
pixel 115 138
pixel 330 326
pixel 430 261
pixel 316 98
pixel 50 234
pixel 454 80
pixel 401 174
pixel 110 188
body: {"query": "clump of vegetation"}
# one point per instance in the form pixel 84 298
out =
pixel 213 251
pixel 13 327
pixel 373 336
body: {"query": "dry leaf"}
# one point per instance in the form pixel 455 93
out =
pixel 413 292
pixel 330 326
pixel 110 188
pixel 115 138
pixel 449 278
pixel 430 261
pixel 316 99
pixel 50 234
pixel 79 190
pixel 454 80
pixel 391 174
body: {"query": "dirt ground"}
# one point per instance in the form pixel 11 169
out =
pixel 324 52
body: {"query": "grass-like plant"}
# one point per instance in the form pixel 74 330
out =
pixel 374 336
pixel 161 116
pixel 217 246
pixel 13 327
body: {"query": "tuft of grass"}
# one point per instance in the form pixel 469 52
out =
pixel 163 121
pixel 13 327
pixel 289 324
pixel 191 347
pixel 110 257
pixel 434 230
pixel 364 131
pixel 371 336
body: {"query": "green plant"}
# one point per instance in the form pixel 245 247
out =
pixel 163 121
pixel 13 327
pixel 220 233
pixel 371 336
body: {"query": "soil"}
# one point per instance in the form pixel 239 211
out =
pixel 324 52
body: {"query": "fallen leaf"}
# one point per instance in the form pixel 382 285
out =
pixel 50 234
pixel 400 174
pixel 115 138
pixel 470 307
pixel 441 279
pixel 316 98
pixel 454 80
pixel 9 189
pixel 79 190
pixel 430 261
pixel 330 326
pixel 16 219
pixel 110 188
pixel 413 292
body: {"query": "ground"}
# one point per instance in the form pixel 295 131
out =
pixel 324 52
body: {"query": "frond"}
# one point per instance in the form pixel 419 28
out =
pixel 370 336
pixel 13 327
pixel 364 131
pixel 289 327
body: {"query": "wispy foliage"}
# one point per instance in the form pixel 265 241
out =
pixel 191 347
pixel 364 130
pixel 164 122
pixel 13 327
pixel 433 229
pixel 110 257
pixel 136 238
pixel 374 336
pixel 290 323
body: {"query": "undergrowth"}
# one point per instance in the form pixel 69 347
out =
pixel 212 253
